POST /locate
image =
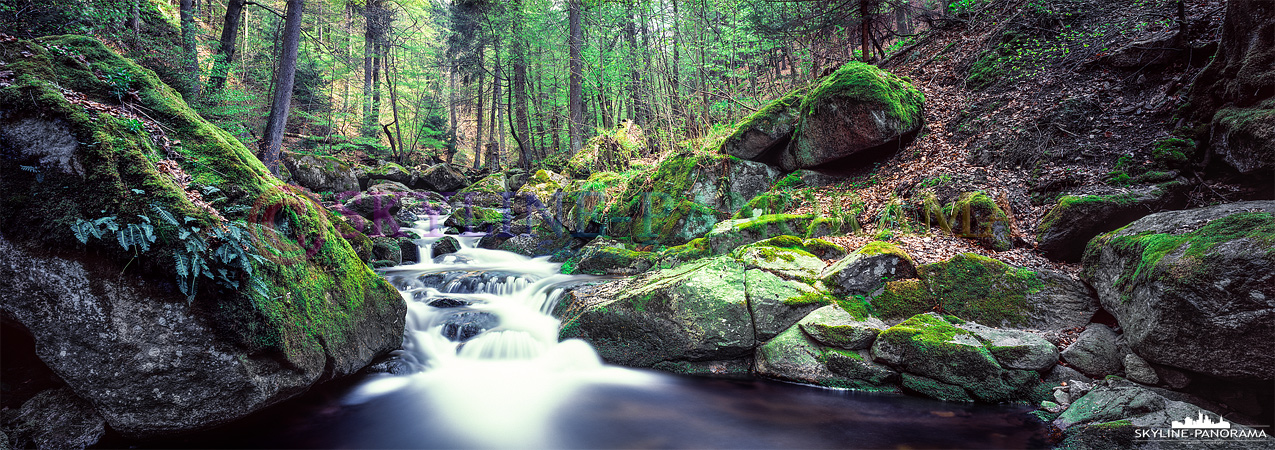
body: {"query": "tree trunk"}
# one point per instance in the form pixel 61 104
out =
pixel 190 51
pixel 497 125
pixel 478 131
pixel 865 30
pixel 225 47
pixel 398 130
pixel 518 51
pixel 575 96
pixel 373 35
pixel 284 80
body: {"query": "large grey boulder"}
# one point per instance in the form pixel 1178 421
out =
pixel 695 312
pixel 867 269
pixel 1110 413
pixel 857 109
pixel 931 347
pixel 794 356
pixel 1194 289
pixel 152 364
pixel 1069 225
pixel 1015 349
pixel 766 133
pixel 1098 352
pixel 776 303
pixel 321 174
pixel 442 178
pixel 832 326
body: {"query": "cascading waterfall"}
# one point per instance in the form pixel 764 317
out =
pixel 480 343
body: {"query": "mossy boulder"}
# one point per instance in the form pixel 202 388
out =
pixel 859 109
pixel 776 303
pixel 832 326
pixel 1015 349
pixel 1192 289
pixel 488 192
pixel 541 193
pixel 974 215
pixel 1097 352
pixel 442 177
pixel 111 321
pixel 387 171
pixel 793 356
pixel 730 234
pixel 787 262
pixel 929 346
pixel 866 270
pixel 611 151
pixel 695 312
pixel 1108 415
pixel 607 257
pixel 765 134
pixel 1244 138
pixel 684 196
pixel 990 292
pixel 321 173
pixel 1069 225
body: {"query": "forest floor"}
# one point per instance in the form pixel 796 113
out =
pixel 1057 117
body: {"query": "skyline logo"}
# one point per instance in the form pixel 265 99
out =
pixel 1203 421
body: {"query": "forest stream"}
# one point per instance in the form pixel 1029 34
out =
pixel 481 367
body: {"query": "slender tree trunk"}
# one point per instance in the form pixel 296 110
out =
pixel 478 132
pixel 225 47
pixel 284 81
pixel 190 50
pixel 497 124
pixel 518 51
pixel 575 98
pixel 865 27
pixel 135 18
pixel 373 36
pixel 635 78
pixel 451 104
pixel 390 83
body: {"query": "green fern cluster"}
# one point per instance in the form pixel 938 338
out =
pixel 223 254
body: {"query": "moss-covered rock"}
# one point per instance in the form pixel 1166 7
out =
pixel 605 256
pixel 1015 349
pixel 990 292
pixel 321 173
pixel 684 196
pixel 788 262
pixel 1108 415
pixel 766 203
pixel 1245 138
pixel 1069 225
pixel 610 151
pixel 1191 289
pixel 730 234
pixel 695 312
pixel 776 303
pixel 442 178
pixel 765 134
pixel 857 109
pixel 867 269
pixel 314 312
pixel 488 192
pixel 833 326
pixel 975 215
pixel 793 356
pixel 929 346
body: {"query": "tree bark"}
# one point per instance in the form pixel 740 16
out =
pixel 518 52
pixel 575 126
pixel 478 131
pixel 284 81
pixel 225 47
pixel 373 36
pixel 497 125
pixel 190 50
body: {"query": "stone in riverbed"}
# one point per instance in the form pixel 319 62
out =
pixel 834 327
pixel 1098 352
pixel 56 418
pixel 1194 289
pixel 867 269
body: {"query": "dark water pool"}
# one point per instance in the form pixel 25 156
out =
pixel 665 412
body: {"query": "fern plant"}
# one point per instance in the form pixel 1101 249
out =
pixel 224 254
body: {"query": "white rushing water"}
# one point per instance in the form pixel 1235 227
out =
pixel 481 346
